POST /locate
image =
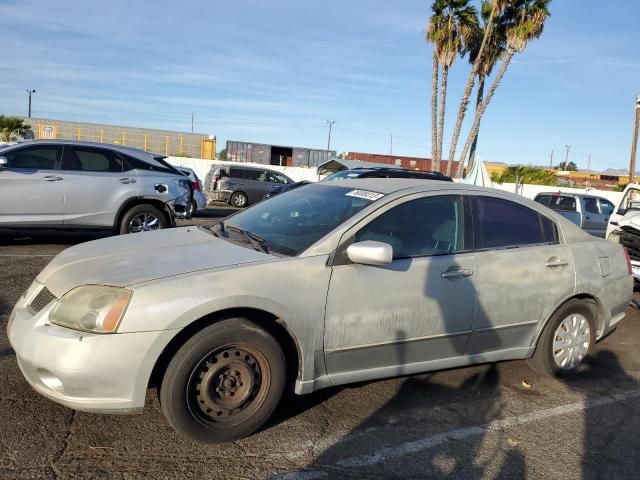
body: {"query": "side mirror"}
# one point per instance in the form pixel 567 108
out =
pixel 370 253
pixel 4 162
pixel 621 211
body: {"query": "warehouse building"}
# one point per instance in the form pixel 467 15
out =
pixel 166 142
pixel 277 154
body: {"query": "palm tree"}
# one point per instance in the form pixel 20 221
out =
pixel 11 128
pixel 497 6
pixel 524 21
pixel 494 49
pixel 451 28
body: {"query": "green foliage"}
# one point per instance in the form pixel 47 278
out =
pixel 621 187
pixel 452 28
pixel 526 174
pixel 12 128
pixel 568 166
pixel 222 155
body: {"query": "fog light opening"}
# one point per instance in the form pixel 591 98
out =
pixel 50 381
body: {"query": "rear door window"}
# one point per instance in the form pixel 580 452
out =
pixel 606 207
pixel 501 223
pixel 40 157
pixel 591 205
pixel 88 159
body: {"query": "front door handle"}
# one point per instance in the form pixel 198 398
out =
pixel 556 262
pixel 52 178
pixel 127 180
pixel 456 273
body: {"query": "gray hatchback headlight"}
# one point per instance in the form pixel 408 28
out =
pixel 91 308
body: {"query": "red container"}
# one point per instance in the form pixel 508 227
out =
pixel 410 163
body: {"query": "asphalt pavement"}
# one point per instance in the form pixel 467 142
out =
pixel 488 421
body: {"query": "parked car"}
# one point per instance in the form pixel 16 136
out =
pixel 624 225
pixel 385 172
pixel 324 285
pixel 199 198
pixel 241 185
pixel 589 212
pixel 66 184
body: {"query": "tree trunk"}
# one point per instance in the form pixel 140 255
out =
pixel 483 107
pixel 434 114
pixel 464 103
pixel 443 98
pixel 472 154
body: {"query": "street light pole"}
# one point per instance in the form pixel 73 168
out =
pixel 29 93
pixel 634 144
pixel 330 122
pixel 566 157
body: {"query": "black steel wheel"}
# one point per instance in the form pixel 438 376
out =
pixel 224 382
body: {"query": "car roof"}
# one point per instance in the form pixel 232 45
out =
pixel 82 143
pixel 571 194
pixel 392 185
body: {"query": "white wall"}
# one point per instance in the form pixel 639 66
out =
pixel 202 167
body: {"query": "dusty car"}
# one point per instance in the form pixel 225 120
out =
pixel 323 285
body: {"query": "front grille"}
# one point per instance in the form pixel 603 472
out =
pixel 41 300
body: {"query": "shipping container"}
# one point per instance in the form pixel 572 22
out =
pixel 411 163
pixel 276 154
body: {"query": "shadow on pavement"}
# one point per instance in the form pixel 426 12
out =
pixel 49 237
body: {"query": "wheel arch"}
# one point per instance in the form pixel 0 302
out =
pixel 272 323
pixel 598 311
pixel 133 202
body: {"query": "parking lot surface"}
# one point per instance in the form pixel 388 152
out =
pixel 488 421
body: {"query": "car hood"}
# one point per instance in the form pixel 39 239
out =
pixel 141 257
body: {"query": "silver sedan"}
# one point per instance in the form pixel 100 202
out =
pixel 319 286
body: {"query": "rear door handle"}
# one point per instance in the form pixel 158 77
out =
pixel 456 273
pixel 52 178
pixel 556 262
pixel 127 180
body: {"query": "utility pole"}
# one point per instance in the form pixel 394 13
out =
pixel 566 157
pixel 191 122
pixel 30 92
pixel 589 163
pixel 330 122
pixel 551 160
pixel 634 145
pixel 391 146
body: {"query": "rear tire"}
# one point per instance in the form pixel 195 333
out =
pixel 239 200
pixel 142 218
pixel 567 339
pixel 224 382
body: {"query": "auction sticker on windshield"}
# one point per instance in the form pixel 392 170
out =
pixel 366 194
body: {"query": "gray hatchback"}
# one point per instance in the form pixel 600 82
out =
pixel 241 185
pixel 71 185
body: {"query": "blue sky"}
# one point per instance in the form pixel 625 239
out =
pixel 274 71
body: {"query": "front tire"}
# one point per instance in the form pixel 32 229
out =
pixel 143 218
pixel 224 382
pixel 567 339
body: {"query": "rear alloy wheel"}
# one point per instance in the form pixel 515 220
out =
pixel 238 200
pixel 142 218
pixel 224 382
pixel 566 340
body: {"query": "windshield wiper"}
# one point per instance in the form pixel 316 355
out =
pixel 257 242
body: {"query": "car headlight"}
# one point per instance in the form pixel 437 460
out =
pixel 91 308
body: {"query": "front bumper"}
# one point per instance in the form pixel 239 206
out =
pixel 84 371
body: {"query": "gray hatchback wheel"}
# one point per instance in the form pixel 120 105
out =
pixel 144 222
pixel 239 200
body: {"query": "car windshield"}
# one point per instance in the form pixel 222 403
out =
pixel 291 222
